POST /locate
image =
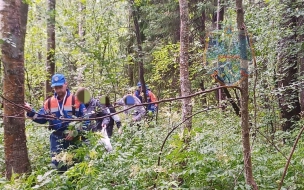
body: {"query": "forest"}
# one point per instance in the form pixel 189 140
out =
pixel 226 74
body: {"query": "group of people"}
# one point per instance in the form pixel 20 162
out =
pixel 139 111
pixel 66 105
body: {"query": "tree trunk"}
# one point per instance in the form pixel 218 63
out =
pixel 78 75
pixel 287 68
pixel 220 19
pixel 130 74
pixel 203 97
pixel 13 15
pixel 130 66
pixel 184 62
pixel 217 19
pixel 203 28
pixel 301 53
pixel 81 24
pixel 218 15
pixel 202 40
pixel 244 97
pixel 50 61
pixel 139 47
pixel 221 15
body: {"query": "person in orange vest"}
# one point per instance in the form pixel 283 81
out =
pixel 62 105
pixel 150 97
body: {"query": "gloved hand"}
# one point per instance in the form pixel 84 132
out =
pixel 70 134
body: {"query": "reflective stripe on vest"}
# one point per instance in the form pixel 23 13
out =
pixel 67 106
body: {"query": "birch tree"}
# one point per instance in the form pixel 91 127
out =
pixel 184 62
pixel 244 97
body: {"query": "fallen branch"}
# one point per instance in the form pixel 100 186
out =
pixel 157 102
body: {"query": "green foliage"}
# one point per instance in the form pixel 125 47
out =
pixel 99 56
pixel 211 159
pixel 211 156
pixel 162 21
pixel 165 68
pixel 96 58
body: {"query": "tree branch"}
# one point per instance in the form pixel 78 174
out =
pixel 157 102
pixel 289 159
pixel 164 142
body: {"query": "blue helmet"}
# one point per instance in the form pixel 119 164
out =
pixel 58 80
pixel 139 85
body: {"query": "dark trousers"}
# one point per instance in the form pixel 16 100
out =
pixel 58 143
pixel 110 130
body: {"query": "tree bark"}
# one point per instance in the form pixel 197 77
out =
pixel 203 28
pixel 203 97
pixel 287 69
pixel 202 40
pixel 50 61
pixel 13 16
pixel 218 15
pixel 139 47
pixel 82 41
pixel 217 19
pixel 130 66
pixel 81 25
pixel 300 30
pixel 221 15
pixel 184 62
pixel 244 97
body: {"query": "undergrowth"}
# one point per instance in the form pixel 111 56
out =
pixel 211 158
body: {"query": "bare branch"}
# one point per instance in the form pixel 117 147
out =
pixel 157 102
pixel 289 159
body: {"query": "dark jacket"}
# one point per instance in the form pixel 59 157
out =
pixel 114 118
pixel 95 109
